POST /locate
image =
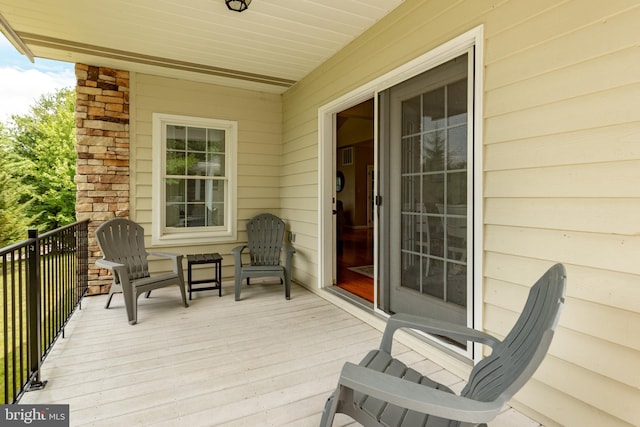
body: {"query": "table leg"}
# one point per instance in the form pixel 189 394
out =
pixel 219 276
pixel 189 267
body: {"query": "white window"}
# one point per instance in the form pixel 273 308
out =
pixel 194 185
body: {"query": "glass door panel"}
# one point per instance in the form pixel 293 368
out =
pixel 429 163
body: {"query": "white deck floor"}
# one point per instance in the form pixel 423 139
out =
pixel 262 361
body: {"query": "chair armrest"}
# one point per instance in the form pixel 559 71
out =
pixel 433 326
pixel 119 271
pixel 237 254
pixel 109 265
pixel 288 255
pixel 417 397
pixel 238 249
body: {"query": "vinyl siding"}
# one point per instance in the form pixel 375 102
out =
pixel 259 117
pixel 561 170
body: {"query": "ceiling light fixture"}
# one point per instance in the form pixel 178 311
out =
pixel 238 5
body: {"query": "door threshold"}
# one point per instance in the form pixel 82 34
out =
pixel 352 298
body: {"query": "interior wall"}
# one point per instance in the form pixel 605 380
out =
pixel 354 194
pixel 355 132
pixel 363 158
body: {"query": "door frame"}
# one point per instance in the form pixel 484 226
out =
pixel 371 194
pixel 327 152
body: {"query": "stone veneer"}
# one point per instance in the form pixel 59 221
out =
pixel 102 141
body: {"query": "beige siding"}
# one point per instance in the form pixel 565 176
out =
pixel 259 117
pixel 561 171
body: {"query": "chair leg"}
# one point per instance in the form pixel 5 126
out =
pixel 109 299
pixel 178 269
pixel 131 304
pixel 329 412
pixel 238 282
pixel 184 294
pixel 114 289
pixel 287 285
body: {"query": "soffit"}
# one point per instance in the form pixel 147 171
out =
pixel 269 47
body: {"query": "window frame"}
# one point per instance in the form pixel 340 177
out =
pixel 161 236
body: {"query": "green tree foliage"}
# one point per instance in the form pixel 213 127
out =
pixel 13 220
pixel 41 161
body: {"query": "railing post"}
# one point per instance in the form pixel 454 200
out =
pixel 34 311
pixel 83 258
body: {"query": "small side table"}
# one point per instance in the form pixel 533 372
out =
pixel 216 280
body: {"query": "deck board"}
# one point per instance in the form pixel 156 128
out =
pixel 261 361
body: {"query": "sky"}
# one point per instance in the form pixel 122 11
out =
pixel 23 82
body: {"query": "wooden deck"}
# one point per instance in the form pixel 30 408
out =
pixel 262 361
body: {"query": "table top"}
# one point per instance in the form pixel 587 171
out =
pixel 204 258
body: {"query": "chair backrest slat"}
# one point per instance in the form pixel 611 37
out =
pixel 122 241
pixel 512 362
pixel 265 235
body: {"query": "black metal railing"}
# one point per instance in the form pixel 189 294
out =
pixel 43 280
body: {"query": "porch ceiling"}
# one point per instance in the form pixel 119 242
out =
pixel 269 47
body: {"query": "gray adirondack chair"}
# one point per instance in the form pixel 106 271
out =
pixel 381 390
pixel 122 244
pixel 265 242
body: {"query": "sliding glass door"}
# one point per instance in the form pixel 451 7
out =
pixel 426 156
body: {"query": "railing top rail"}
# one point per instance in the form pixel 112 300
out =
pixel 16 246
pixel 27 242
pixel 65 227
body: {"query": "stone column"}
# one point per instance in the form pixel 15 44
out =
pixel 102 144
